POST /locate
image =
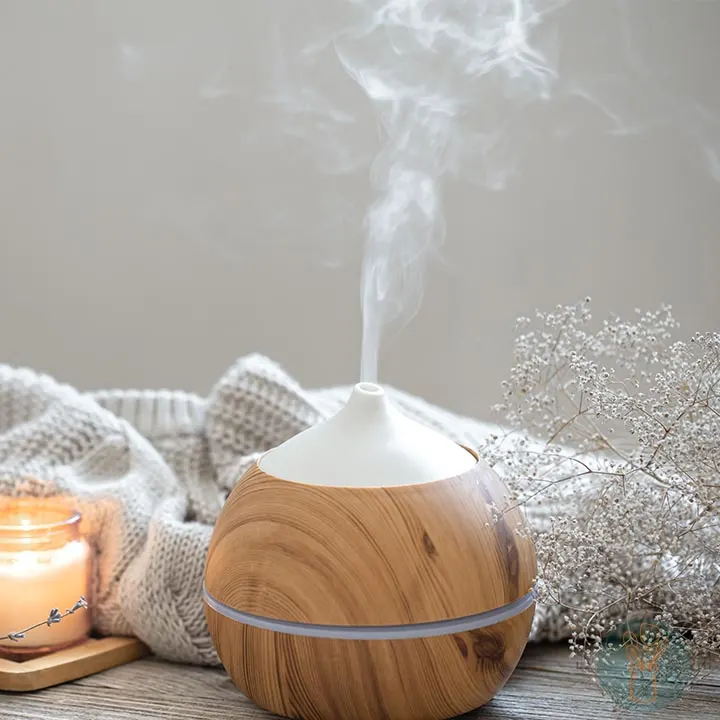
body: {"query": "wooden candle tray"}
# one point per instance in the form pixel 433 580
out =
pixel 92 656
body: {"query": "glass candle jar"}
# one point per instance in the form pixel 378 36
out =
pixel 45 564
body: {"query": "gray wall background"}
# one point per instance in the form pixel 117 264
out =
pixel 148 237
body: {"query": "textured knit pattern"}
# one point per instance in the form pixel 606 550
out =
pixel 150 471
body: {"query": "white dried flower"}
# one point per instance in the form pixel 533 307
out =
pixel 615 453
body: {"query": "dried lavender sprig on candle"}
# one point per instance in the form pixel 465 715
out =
pixel 54 616
pixel 615 452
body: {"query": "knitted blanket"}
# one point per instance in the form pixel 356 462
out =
pixel 150 471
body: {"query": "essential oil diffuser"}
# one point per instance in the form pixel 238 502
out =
pixel 358 571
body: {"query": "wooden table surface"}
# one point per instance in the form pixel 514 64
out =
pixel 548 684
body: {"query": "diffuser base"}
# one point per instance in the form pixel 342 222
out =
pixel 87 658
pixel 319 678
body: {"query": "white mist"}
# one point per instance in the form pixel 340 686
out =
pixel 450 84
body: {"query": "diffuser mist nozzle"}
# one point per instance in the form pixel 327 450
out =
pixel 368 443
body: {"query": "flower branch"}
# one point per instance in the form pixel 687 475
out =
pixel 613 450
pixel 55 616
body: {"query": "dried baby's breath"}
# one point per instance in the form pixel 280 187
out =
pixel 614 449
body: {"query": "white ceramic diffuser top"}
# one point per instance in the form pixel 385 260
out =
pixel 369 443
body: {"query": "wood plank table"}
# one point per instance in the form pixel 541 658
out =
pixel 548 684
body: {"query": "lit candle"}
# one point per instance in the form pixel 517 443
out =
pixel 44 565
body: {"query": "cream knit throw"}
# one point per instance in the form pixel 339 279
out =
pixel 150 471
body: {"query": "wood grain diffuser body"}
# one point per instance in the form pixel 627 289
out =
pixel 358 572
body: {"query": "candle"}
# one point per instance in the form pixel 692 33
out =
pixel 44 565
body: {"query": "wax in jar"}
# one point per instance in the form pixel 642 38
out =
pixel 44 564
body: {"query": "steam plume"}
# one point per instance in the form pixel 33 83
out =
pixel 419 62
pixel 449 82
